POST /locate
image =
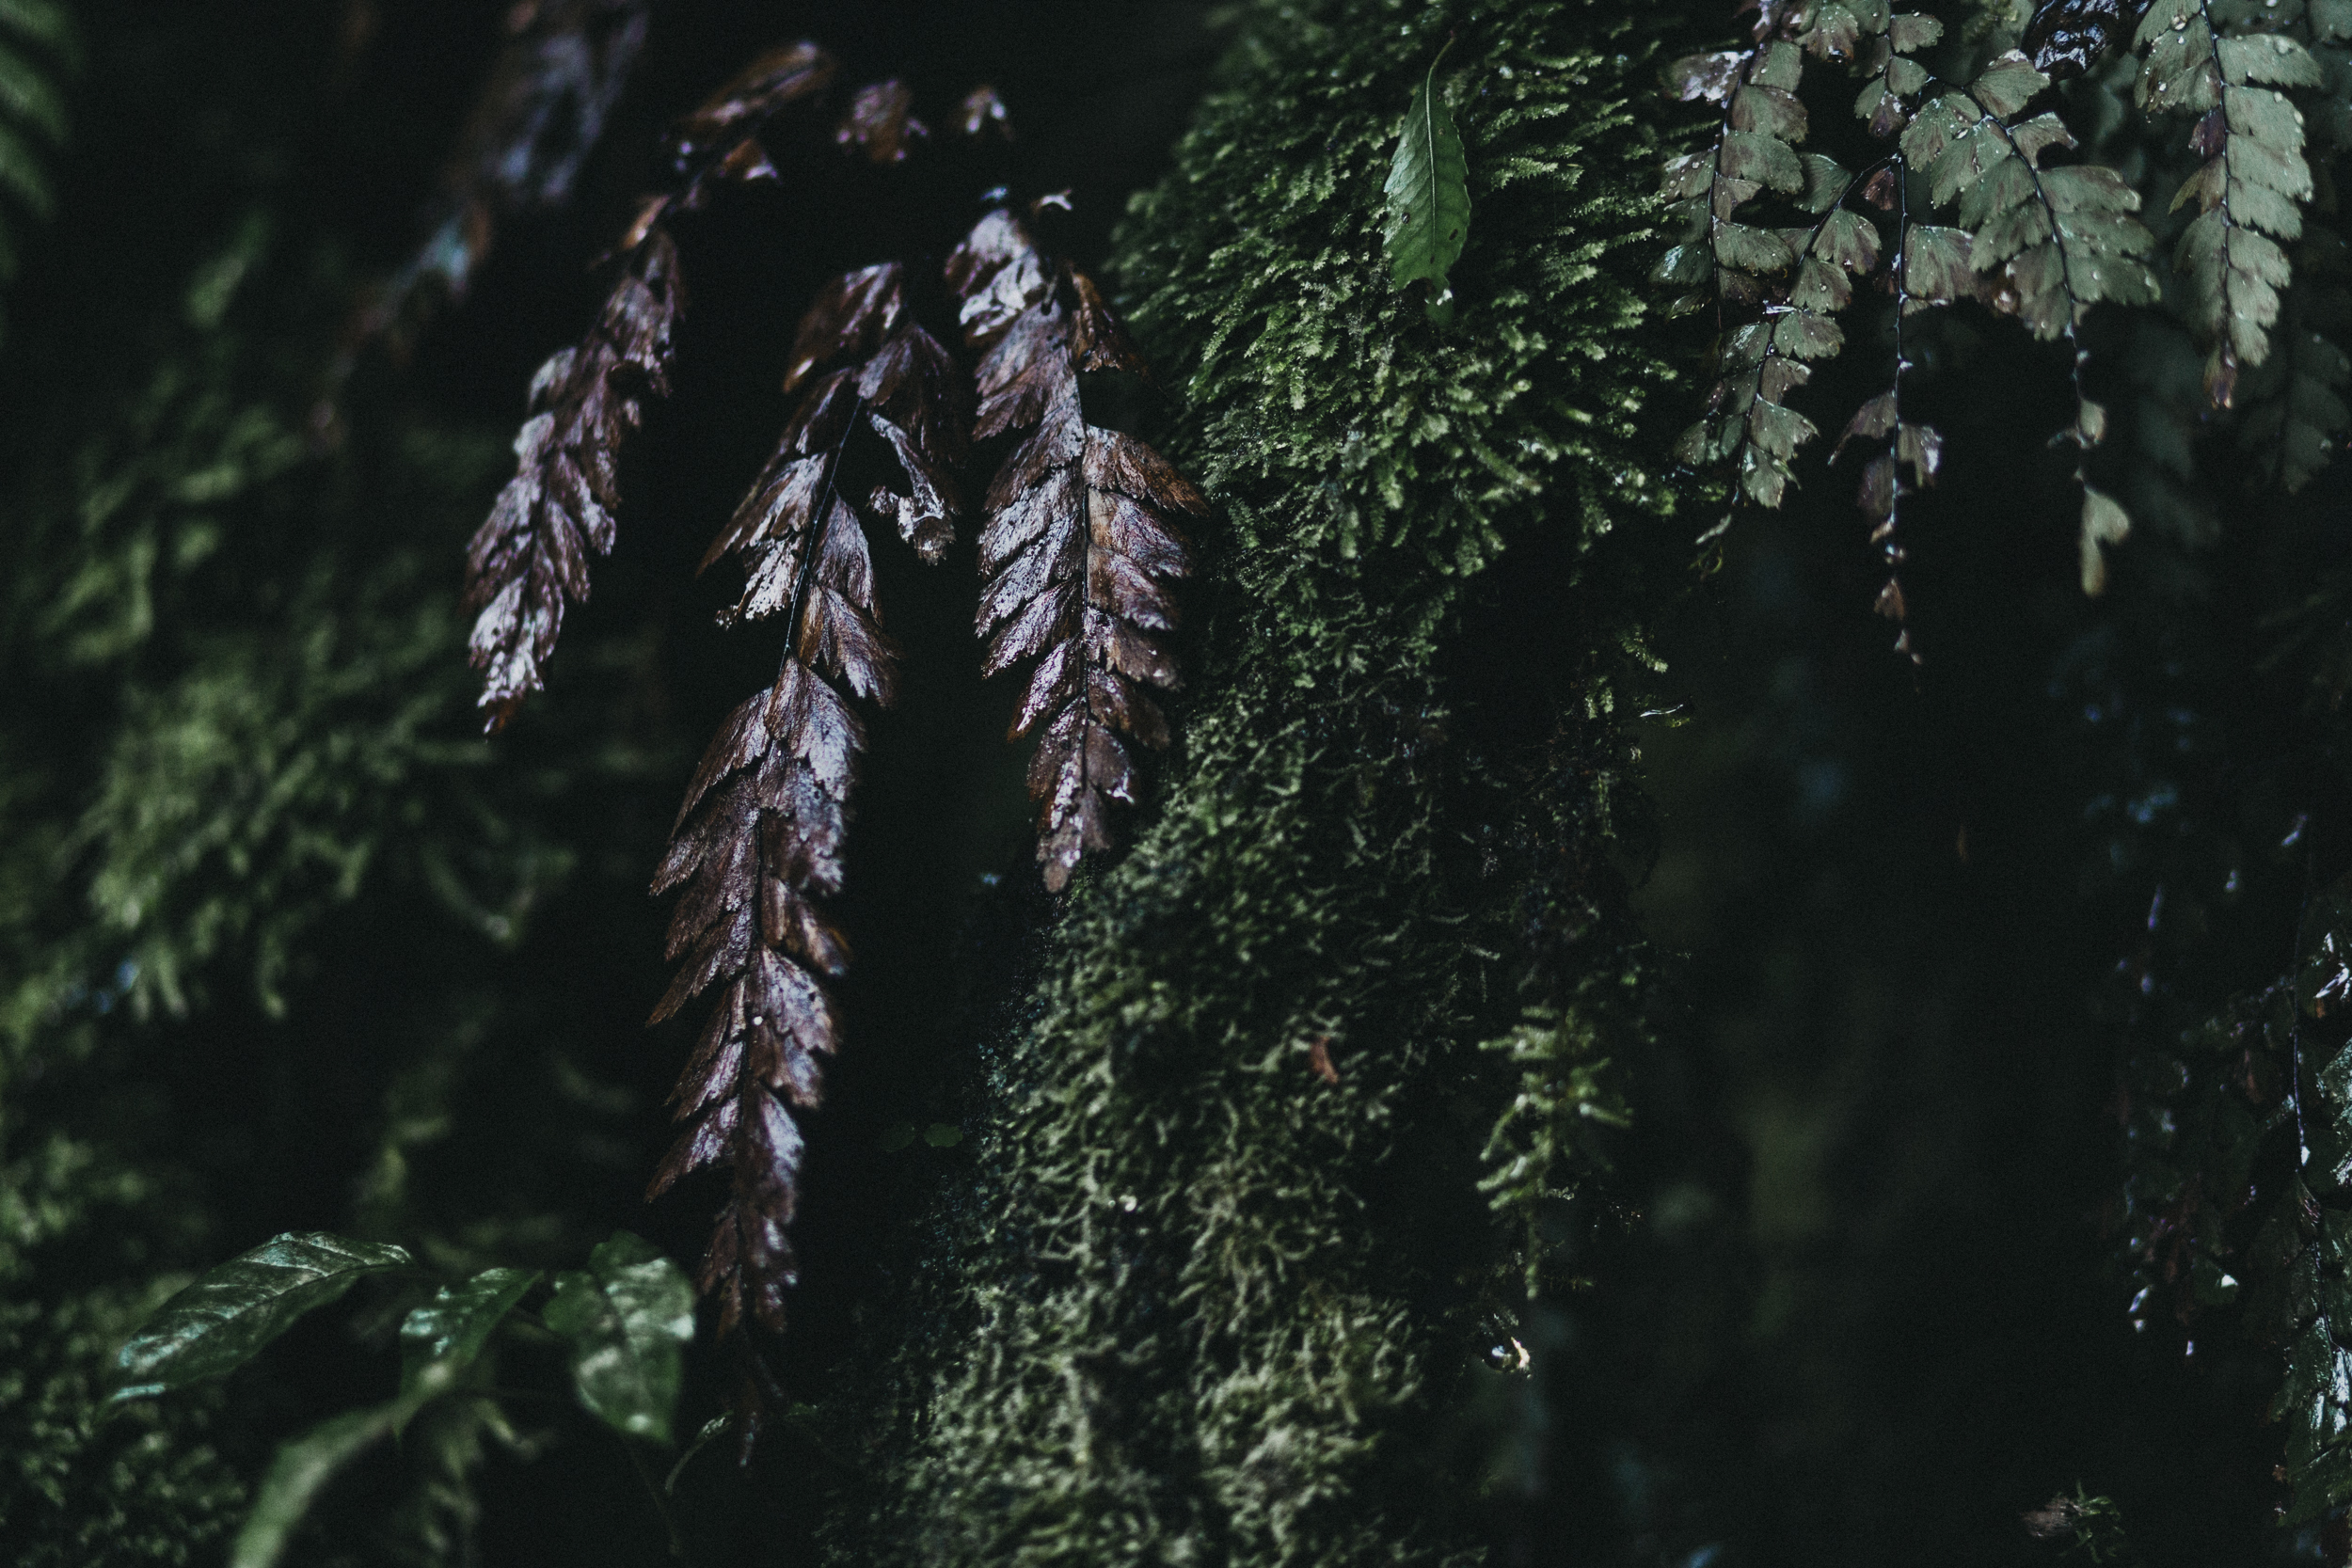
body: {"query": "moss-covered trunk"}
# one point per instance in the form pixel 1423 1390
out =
pixel 1224 1263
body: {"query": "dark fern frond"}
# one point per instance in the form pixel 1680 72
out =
pixel 1929 264
pixel 2294 425
pixel 2238 1191
pixel 532 555
pixel 2294 414
pixel 539 117
pixel 721 140
pixel 760 844
pixel 2063 239
pixel 38 53
pixel 1753 150
pixel 1081 542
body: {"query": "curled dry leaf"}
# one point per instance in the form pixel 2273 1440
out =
pixel 532 555
pixel 1081 543
pixel 758 847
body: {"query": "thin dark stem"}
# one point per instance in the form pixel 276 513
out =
pixel 660 1503
pixel 1891 538
pixel 2295 998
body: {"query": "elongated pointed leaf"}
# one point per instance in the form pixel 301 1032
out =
pixel 626 1319
pixel 1428 198
pixel 216 1324
pixel 300 1472
pixel 443 1338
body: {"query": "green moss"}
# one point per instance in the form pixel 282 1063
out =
pixel 75 1488
pixel 1202 1305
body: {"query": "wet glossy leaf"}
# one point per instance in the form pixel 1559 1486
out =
pixel 1707 78
pixel 2067 37
pixel 1428 207
pixel 232 1310
pixel 530 559
pixel 625 1320
pixel 443 1338
pixel 1825 182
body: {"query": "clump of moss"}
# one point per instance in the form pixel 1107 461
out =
pixel 1205 1301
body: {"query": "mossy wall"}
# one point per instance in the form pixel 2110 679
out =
pixel 1204 1302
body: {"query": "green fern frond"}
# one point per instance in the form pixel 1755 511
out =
pixel 2250 192
pixel 2295 432
pixel 2061 238
pixel 2041 243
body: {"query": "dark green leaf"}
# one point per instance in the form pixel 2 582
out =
pixel 1909 34
pixel 1825 182
pixel 2269 58
pixel 217 1323
pixel 1936 263
pixel 626 1319
pixel 1769 111
pixel 1428 196
pixel 1780 66
pixel 443 1338
pixel 2009 84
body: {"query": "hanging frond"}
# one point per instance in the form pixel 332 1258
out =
pixel 539 117
pixel 2295 426
pixel 2296 417
pixel 1753 151
pixel 2062 239
pixel 1081 542
pixel 2041 243
pixel 760 844
pixel 2238 1192
pixel 532 556
pixel 722 142
pixel 2249 193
